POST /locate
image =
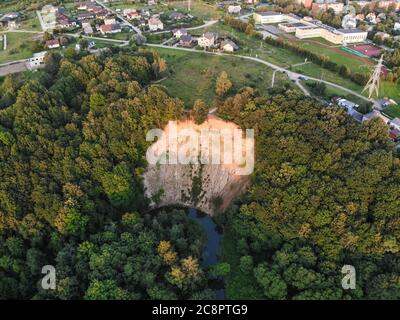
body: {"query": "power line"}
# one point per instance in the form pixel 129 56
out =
pixel 374 82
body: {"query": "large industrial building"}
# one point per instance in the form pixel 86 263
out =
pixel 305 28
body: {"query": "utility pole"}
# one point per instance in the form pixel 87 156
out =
pixel 188 5
pixel 374 82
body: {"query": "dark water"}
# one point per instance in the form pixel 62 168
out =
pixel 211 250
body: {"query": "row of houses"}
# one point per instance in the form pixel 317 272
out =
pixel 152 21
pixel 206 40
pixel 351 108
pixel 9 20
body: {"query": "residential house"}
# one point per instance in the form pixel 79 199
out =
pixel 228 46
pixel 91 45
pixel 306 3
pixel 395 123
pixel 360 17
pixel 110 28
pixel 186 41
pixel 207 40
pixel 48 9
pixel 178 33
pixel 382 35
pixel 53 44
pixel 317 8
pixel 83 5
pixel 126 12
pixel 63 21
pixel 234 9
pixel 133 15
pixel 87 28
pixel 155 24
pixel 109 21
pixel 85 16
pixel 371 18
pixel 177 16
pixel 9 20
pixel 36 61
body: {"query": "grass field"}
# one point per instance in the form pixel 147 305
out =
pixel 193 75
pixel 199 9
pixel 285 58
pixel 253 47
pixel 14 51
pixel 338 57
pixel 31 23
pixel 392 111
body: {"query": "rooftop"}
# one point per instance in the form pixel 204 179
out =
pixel 269 13
pixel 354 30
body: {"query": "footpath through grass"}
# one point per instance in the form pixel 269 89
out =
pixel 193 75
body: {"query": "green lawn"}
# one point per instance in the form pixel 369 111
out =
pixel 285 58
pixel 199 9
pixel 192 75
pixel 14 50
pixel 338 57
pixel 253 47
pixel 392 111
pixel 391 90
pixel 31 22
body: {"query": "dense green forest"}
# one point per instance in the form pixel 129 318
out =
pixel 325 192
pixel 72 148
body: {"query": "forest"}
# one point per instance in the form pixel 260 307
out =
pixel 325 191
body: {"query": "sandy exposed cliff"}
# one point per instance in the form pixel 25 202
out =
pixel 202 186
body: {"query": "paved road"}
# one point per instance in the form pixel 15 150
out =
pixel 11 68
pixel 292 75
pixel 137 30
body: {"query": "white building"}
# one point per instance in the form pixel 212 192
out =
pixel 206 40
pixel 155 24
pixel 87 28
pixel 269 17
pixel 37 61
pixel 395 123
pixel 109 21
pixel 234 9
pixel 179 33
pixel 228 46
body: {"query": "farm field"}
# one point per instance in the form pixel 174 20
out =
pixel 192 75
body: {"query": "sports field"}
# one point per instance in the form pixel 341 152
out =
pixel 367 49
